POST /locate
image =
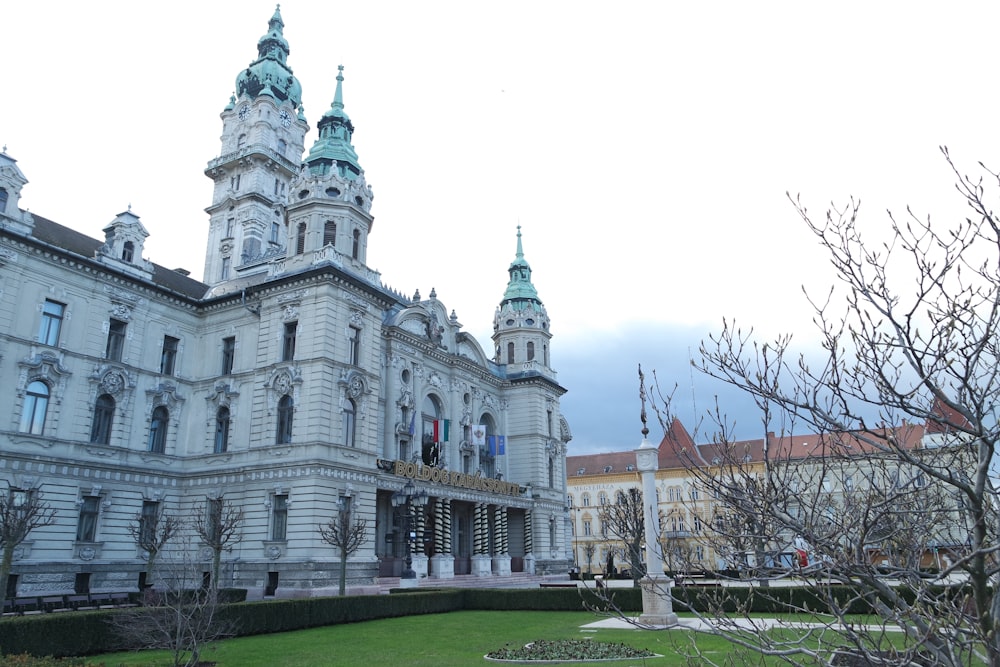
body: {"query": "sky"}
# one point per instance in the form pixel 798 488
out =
pixel 645 149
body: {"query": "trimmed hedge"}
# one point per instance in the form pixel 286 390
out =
pixel 89 632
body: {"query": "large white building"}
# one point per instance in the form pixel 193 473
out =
pixel 291 381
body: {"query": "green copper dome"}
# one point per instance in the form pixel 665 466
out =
pixel 333 148
pixel 520 292
pixel 270 74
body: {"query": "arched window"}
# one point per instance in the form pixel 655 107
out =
pixel 300 239
pixel 531 351
pixel 3 200
pixel 349 422
pixel 36 404
pixel 430 448
pixel 510 353
pixel 285 410
pixel 128 251
pixel 356 244
pixel 552 473
pixel 158 430
pixel 330 233
pixel 221 430
pixel 104 416
pixel 586 500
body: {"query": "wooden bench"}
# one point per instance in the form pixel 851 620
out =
pixel 119 599
pixel 25 604
pixel 558 585
pixel 78 601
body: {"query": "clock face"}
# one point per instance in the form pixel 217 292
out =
pixel 244 112
pixel 286 120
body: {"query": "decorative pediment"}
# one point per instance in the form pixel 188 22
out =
pixel 165 393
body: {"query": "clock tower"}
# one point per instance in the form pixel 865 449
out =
pixel 263 138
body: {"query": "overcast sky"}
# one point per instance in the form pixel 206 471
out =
pixel 644 147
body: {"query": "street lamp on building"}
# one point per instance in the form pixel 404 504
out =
pixel 405 498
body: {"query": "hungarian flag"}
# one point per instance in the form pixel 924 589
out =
pixel 498 445
pixel 441 430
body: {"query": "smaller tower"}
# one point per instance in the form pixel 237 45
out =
pixel 329 207
pixel 521 325
pixel 11 182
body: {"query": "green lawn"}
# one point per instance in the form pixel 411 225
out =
pixel 457 639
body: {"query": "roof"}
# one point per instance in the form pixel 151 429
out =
pixel 74 242
pixel 678 450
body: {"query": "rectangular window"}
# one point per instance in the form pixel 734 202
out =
pixel 147 522
pixel 213 519
pixel 353 345
pixel 168 356
pixel 116 340
pixel 230 226
pixel 275 229
pixel 586 528
pixel 279 517
pixel 228 354
pixel 224 272
pixel 329 233
pixel 86 528
pixel 52 317
pixel 288 341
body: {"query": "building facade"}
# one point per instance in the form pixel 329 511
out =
pixel 290 382
pixel 827 483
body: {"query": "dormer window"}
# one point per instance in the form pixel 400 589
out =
pixel 128 251
pixel 3 200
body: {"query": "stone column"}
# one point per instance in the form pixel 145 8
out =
pixel 657 606
pixel 480 550
pixel 419 557
pixel 443 561
pixel 501 559
pixel 529 556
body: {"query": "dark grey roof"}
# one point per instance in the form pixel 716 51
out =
pixel 76 243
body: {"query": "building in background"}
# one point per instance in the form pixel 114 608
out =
pixel 816 479
pixel 291 382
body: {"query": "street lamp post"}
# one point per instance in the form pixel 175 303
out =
pixel 406 497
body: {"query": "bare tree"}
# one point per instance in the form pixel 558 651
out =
pixel 346 536
pixel 152 530
pixel 623 519
pixel 219 524
pixel 890 501
pixel 185 618
pixel 21 511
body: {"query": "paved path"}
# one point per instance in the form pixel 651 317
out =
pixel 700 625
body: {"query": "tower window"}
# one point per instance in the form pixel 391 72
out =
pixel 224 272
pixel 116 340
pixel 279 517
pixel 285 412
pixel 168 356
pixel 128 251
pixel 353 345
pixel 510 353
pixel 275 230
pixel 221 430
pixel 330 233
pixel 349 423
pixel 531 351
pixel 104 414
pixel 158 430
pixel 3 200
pixel 288 341
pixel 86 527
pixel 36 405
pixel 52 317
pixel 230 224
pixel 300 239
pixel 228 354
pixel 356 245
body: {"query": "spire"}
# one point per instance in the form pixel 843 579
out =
pixel 333 147
pixel 519 290
pixel 270 73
